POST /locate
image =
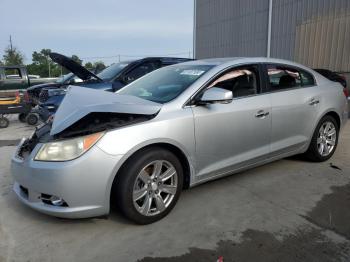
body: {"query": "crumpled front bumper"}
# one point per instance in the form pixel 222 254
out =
pixel 84 183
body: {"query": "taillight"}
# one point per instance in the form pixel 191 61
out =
pixel 26 96
pixel 346 92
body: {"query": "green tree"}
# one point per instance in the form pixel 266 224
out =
pixel 89 66
pixel 98 66
pixel 41 64
pixel 76 59
pixel 13 56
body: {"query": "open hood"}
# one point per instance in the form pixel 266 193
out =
pixel 80 102
pixel 73 67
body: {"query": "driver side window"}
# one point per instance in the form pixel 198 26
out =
pixel 242 81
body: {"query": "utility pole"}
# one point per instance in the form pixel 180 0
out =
pixel 48 63
pixel 11 48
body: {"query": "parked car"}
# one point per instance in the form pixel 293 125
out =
pixel 15 78
pixel 175 128
pixel 110 79
pixel 336 77
pixel 63 81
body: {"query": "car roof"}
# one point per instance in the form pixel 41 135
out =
pixel 243 60
pixel 167 59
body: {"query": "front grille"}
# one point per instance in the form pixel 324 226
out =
pixel 28 146
pixel 44 95
pixel 42 134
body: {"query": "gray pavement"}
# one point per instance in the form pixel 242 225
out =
pixel 289 210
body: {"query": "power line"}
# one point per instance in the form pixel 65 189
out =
pixel 143 55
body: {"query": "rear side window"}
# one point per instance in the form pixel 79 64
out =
pixel 283 77
pixel 306 78
pixel 12 73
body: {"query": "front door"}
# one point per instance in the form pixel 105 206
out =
pixel 233 135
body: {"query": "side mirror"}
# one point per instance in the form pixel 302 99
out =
pixel 216 95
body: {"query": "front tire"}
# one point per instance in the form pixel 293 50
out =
pixel 149 185
pixel 324 140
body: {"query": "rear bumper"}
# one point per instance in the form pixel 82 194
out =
pixel 84 183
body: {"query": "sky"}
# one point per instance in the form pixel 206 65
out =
pixel 98 30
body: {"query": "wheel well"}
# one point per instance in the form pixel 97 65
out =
pixel 335 116
pixel 176 151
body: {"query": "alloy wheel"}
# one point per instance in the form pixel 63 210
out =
pixel 155 187
pixel 327 137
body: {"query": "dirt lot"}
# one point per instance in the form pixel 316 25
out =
pixel 290 210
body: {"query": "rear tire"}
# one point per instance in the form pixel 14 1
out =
pixel 324 140
pixel 4 122
pixel 149 185
pixel 32 119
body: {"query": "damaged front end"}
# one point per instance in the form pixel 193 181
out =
pixel 85 112
pixel 99 122
pixel 90 124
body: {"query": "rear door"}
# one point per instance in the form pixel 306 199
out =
pixel 233 135
pixel 294 102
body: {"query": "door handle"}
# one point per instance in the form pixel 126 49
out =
pixel 314 102
pixel 261 114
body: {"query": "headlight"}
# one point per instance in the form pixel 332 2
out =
pixel 67 149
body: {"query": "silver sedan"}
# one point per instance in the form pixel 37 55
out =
pixel 172 129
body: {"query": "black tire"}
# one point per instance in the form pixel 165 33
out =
pixel 22 117
pixel 122 192
pixel 4 122
pixel 313 153
pixel 32 119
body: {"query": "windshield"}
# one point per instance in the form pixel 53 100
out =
pixel 112 71
pixel 165 84
pixel 64 78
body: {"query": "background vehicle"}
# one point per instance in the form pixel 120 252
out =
pixel 336 77
pixel 177 127
pixel 110 79
pixel 15 78
pixel 64 81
